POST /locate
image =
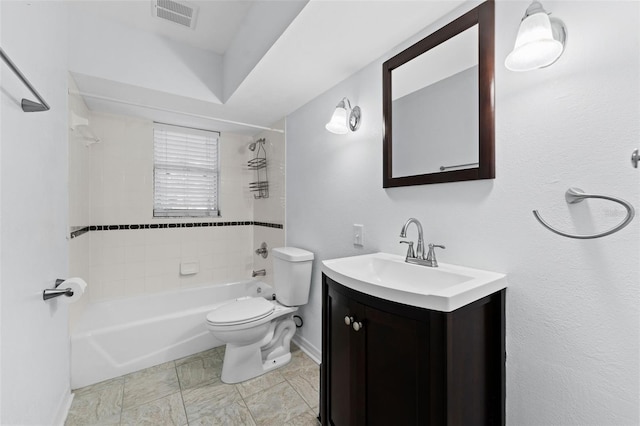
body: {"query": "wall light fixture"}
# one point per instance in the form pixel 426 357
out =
pixel 540 41
pixel 344 118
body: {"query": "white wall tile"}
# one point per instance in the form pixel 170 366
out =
pixel 156 267
pixel 134 237
pixel 205 249
pixel 134 286
pixel 155 252
pixel 172 281
pixel 113 289
pixel 113 238
pixel 134 253
pixel 160 236
pixel 274 237
pixel 131 262
pixel 271 210
pixel 134 270
pixel 113 272
pixel 189 250
pixel 170 236
pixel 79 266
pixel 113 255
pixel 155 283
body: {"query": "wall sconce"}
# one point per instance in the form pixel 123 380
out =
pixel 344 118
pixel 540 41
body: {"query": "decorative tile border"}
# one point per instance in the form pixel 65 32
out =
pixel 269 225
pixel 76 231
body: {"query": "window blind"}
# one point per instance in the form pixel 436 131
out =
pixel 185 172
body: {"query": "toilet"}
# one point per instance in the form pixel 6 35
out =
pixel 258 331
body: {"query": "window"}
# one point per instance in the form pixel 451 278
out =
pixel 185 172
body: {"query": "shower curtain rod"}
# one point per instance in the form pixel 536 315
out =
pixel 206 117
pixel 27 105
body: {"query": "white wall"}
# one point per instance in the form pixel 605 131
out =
pixel 572 306
pixel 33 217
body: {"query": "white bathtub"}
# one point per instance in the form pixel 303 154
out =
pixel 118 337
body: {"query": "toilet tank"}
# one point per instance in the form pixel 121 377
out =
pixel 292 275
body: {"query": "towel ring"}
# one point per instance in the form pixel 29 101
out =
pixel 576 195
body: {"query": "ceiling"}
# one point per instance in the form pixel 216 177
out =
pixel 216 25
pixel 318 45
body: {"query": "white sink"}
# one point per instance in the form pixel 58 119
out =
pixel 388 276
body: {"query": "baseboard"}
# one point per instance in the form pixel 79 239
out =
pixel 63 408
pixel 313 352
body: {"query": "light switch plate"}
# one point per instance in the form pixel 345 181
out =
pixel 358 235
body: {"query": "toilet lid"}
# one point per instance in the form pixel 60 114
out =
pixel 240 311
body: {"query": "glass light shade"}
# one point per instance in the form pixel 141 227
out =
pixel 535 46
pixel 338 122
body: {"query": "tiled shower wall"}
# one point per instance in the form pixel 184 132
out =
pixel 271 210
pixel 132 262
pixel 114 178
pixel 79 201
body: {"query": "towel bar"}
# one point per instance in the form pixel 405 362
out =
pixel 443 168
pixel 27 105
pixel 576 195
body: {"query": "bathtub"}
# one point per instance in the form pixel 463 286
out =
pixel 118 337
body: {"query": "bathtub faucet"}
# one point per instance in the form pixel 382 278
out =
pixel 260 273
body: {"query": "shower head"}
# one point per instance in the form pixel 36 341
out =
pixel 252 146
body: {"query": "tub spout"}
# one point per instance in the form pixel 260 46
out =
pixel 260 273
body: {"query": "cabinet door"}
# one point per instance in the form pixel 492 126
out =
pixel 397 359
pixel 345 362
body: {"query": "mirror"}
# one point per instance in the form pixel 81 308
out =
pixel 438 105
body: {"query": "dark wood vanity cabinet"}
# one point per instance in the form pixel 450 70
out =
pixel 385 363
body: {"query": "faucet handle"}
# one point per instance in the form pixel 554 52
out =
pixel 410 252
pixel 431 255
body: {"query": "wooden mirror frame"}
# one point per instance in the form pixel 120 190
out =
pixel 484 16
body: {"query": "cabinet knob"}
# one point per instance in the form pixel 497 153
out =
pixel 357 326
pixel 348 320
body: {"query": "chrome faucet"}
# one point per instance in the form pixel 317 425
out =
pixel 259 273
pixel 420 247
pixel 418 257
pixel 431 256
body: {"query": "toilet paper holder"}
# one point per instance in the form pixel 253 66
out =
pixel 50 293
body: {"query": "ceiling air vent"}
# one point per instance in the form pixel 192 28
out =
pixel 179 12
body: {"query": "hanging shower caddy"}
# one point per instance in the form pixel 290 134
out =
pixel 259 164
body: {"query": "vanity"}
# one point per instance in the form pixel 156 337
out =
pixel 406 344
pixel 408 341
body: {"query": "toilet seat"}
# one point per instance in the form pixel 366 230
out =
pixel 241 311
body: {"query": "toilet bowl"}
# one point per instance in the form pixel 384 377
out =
pixel 257 331
pixel 255 345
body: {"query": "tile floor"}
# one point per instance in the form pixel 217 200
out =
pixel 188 391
